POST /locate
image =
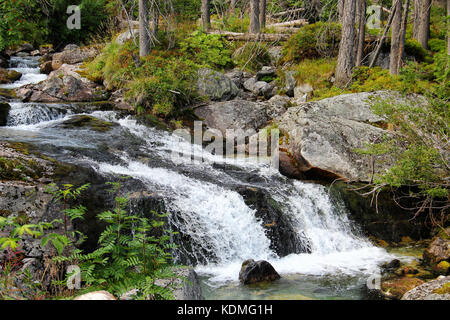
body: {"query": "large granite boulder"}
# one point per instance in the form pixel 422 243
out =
pixel 322 136
pixel 63 85
pixel 215 85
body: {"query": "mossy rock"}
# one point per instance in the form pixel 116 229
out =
pixel 90 122
pixel 442 267
pixel 396 288
pixel 8 93
pixel 9 76
pixel 445 289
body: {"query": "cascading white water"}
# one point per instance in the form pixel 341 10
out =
pixel 219 221
pixel 35 113
pixel 29 68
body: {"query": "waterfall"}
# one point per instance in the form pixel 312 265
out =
pixel 36 113
pixel 29 68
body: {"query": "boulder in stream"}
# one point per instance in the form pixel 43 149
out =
pixel 257 271
pixel 4 111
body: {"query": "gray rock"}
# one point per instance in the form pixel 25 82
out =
pixel 64 84
pixel 236 114
pixel 277 105
pixel 265 72
pixel 259 88
pixel 215 85
pixel 291 83
pixel 323 135
pixel 73 54
pixel 425 291
pixel 302 89
pixel 257 271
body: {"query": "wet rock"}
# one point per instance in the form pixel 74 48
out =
pixel 438 289
pixel 85 121
pixel 63 85
pixel 278 227
pixel 439 250
pixel 259 271
pixel 215 85
pixel 9 76
pixel 4 111
pixel 96 295
pixel 391 266
pixel 46 67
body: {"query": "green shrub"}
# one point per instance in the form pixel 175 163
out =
pixel 208 49
pixel 413 48
pixel 318 40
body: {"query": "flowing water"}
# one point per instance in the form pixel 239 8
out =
pixel 200 193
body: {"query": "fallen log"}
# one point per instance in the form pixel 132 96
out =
pixel 264 37
pixel 293 23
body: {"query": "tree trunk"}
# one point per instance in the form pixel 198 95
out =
pixel 144 35
pixel 262 13
pixel 361 31
pixel 403 35
pixel 416 16
pixel 423 28
pixel 345 58
pixel 395 38
pixel 254 16
pixel 340 8
pixel 155 20
pixel 206 15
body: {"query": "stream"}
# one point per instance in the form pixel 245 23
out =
pixel 207 208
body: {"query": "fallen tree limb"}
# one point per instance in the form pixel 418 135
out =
pixel 236 36
pixel 293 23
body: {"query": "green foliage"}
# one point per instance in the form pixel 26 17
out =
pixel 128 256
pixel 208 49
pixel 40 22
pixel 162 83
pixel 318 40
pixel 421 160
